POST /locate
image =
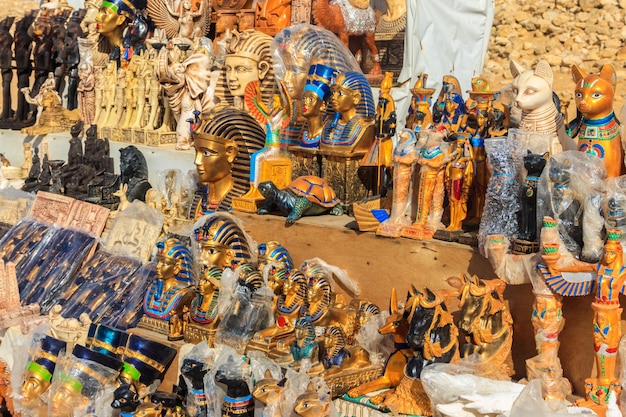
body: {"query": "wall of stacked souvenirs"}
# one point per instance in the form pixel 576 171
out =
pixel 132 288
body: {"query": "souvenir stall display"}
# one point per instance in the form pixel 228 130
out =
pixel 146 293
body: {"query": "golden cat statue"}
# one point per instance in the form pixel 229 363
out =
pixel 599 130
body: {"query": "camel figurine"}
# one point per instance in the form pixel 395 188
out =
pixel 349 18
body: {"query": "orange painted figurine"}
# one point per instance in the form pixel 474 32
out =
pixel 599 130
pixel 606 281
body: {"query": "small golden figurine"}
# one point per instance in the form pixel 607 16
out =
pixel 171 291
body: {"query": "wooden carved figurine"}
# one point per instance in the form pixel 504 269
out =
pixel 533 89
pixel 6 43
pixel 606 281
pixel 171 290
pixel 272 16
pixel 599 130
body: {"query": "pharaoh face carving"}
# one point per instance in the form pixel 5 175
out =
pixel 214 158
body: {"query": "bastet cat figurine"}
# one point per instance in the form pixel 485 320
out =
pixel 564 206
pixel 599 130
pixel 534 164
pixel 533 90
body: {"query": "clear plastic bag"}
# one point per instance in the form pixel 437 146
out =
pixel 126 309
pixel 97 284
pixel 502 200
pixel 51 269
pixel 570 191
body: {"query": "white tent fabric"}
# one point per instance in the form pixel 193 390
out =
pixel 443 37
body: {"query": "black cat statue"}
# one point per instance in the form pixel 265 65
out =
pixel 527 241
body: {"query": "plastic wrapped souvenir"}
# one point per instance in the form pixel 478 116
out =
pixel 502 201
pixel 294 50
pixel 238 399
pixel 126 309
pixel 97 284
pixel 314 103
pixel 248 311
pixel 135 231
pixel 50 271
pixel 570 191
pixel 82 382
pixel 20 242
pixel 43 357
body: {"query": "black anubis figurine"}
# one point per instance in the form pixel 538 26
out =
pixel 6 43
pixel 71 57
pixel 59 54
pixel 238 401
pixel 534 164
pixel 23 49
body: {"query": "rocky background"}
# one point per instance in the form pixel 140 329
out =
pixel 588 33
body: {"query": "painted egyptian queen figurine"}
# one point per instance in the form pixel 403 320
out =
pixel 39 372
pixel 224 142
pixel 112 19
pixel 314 103
pixel 172 289
pixel 352 128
